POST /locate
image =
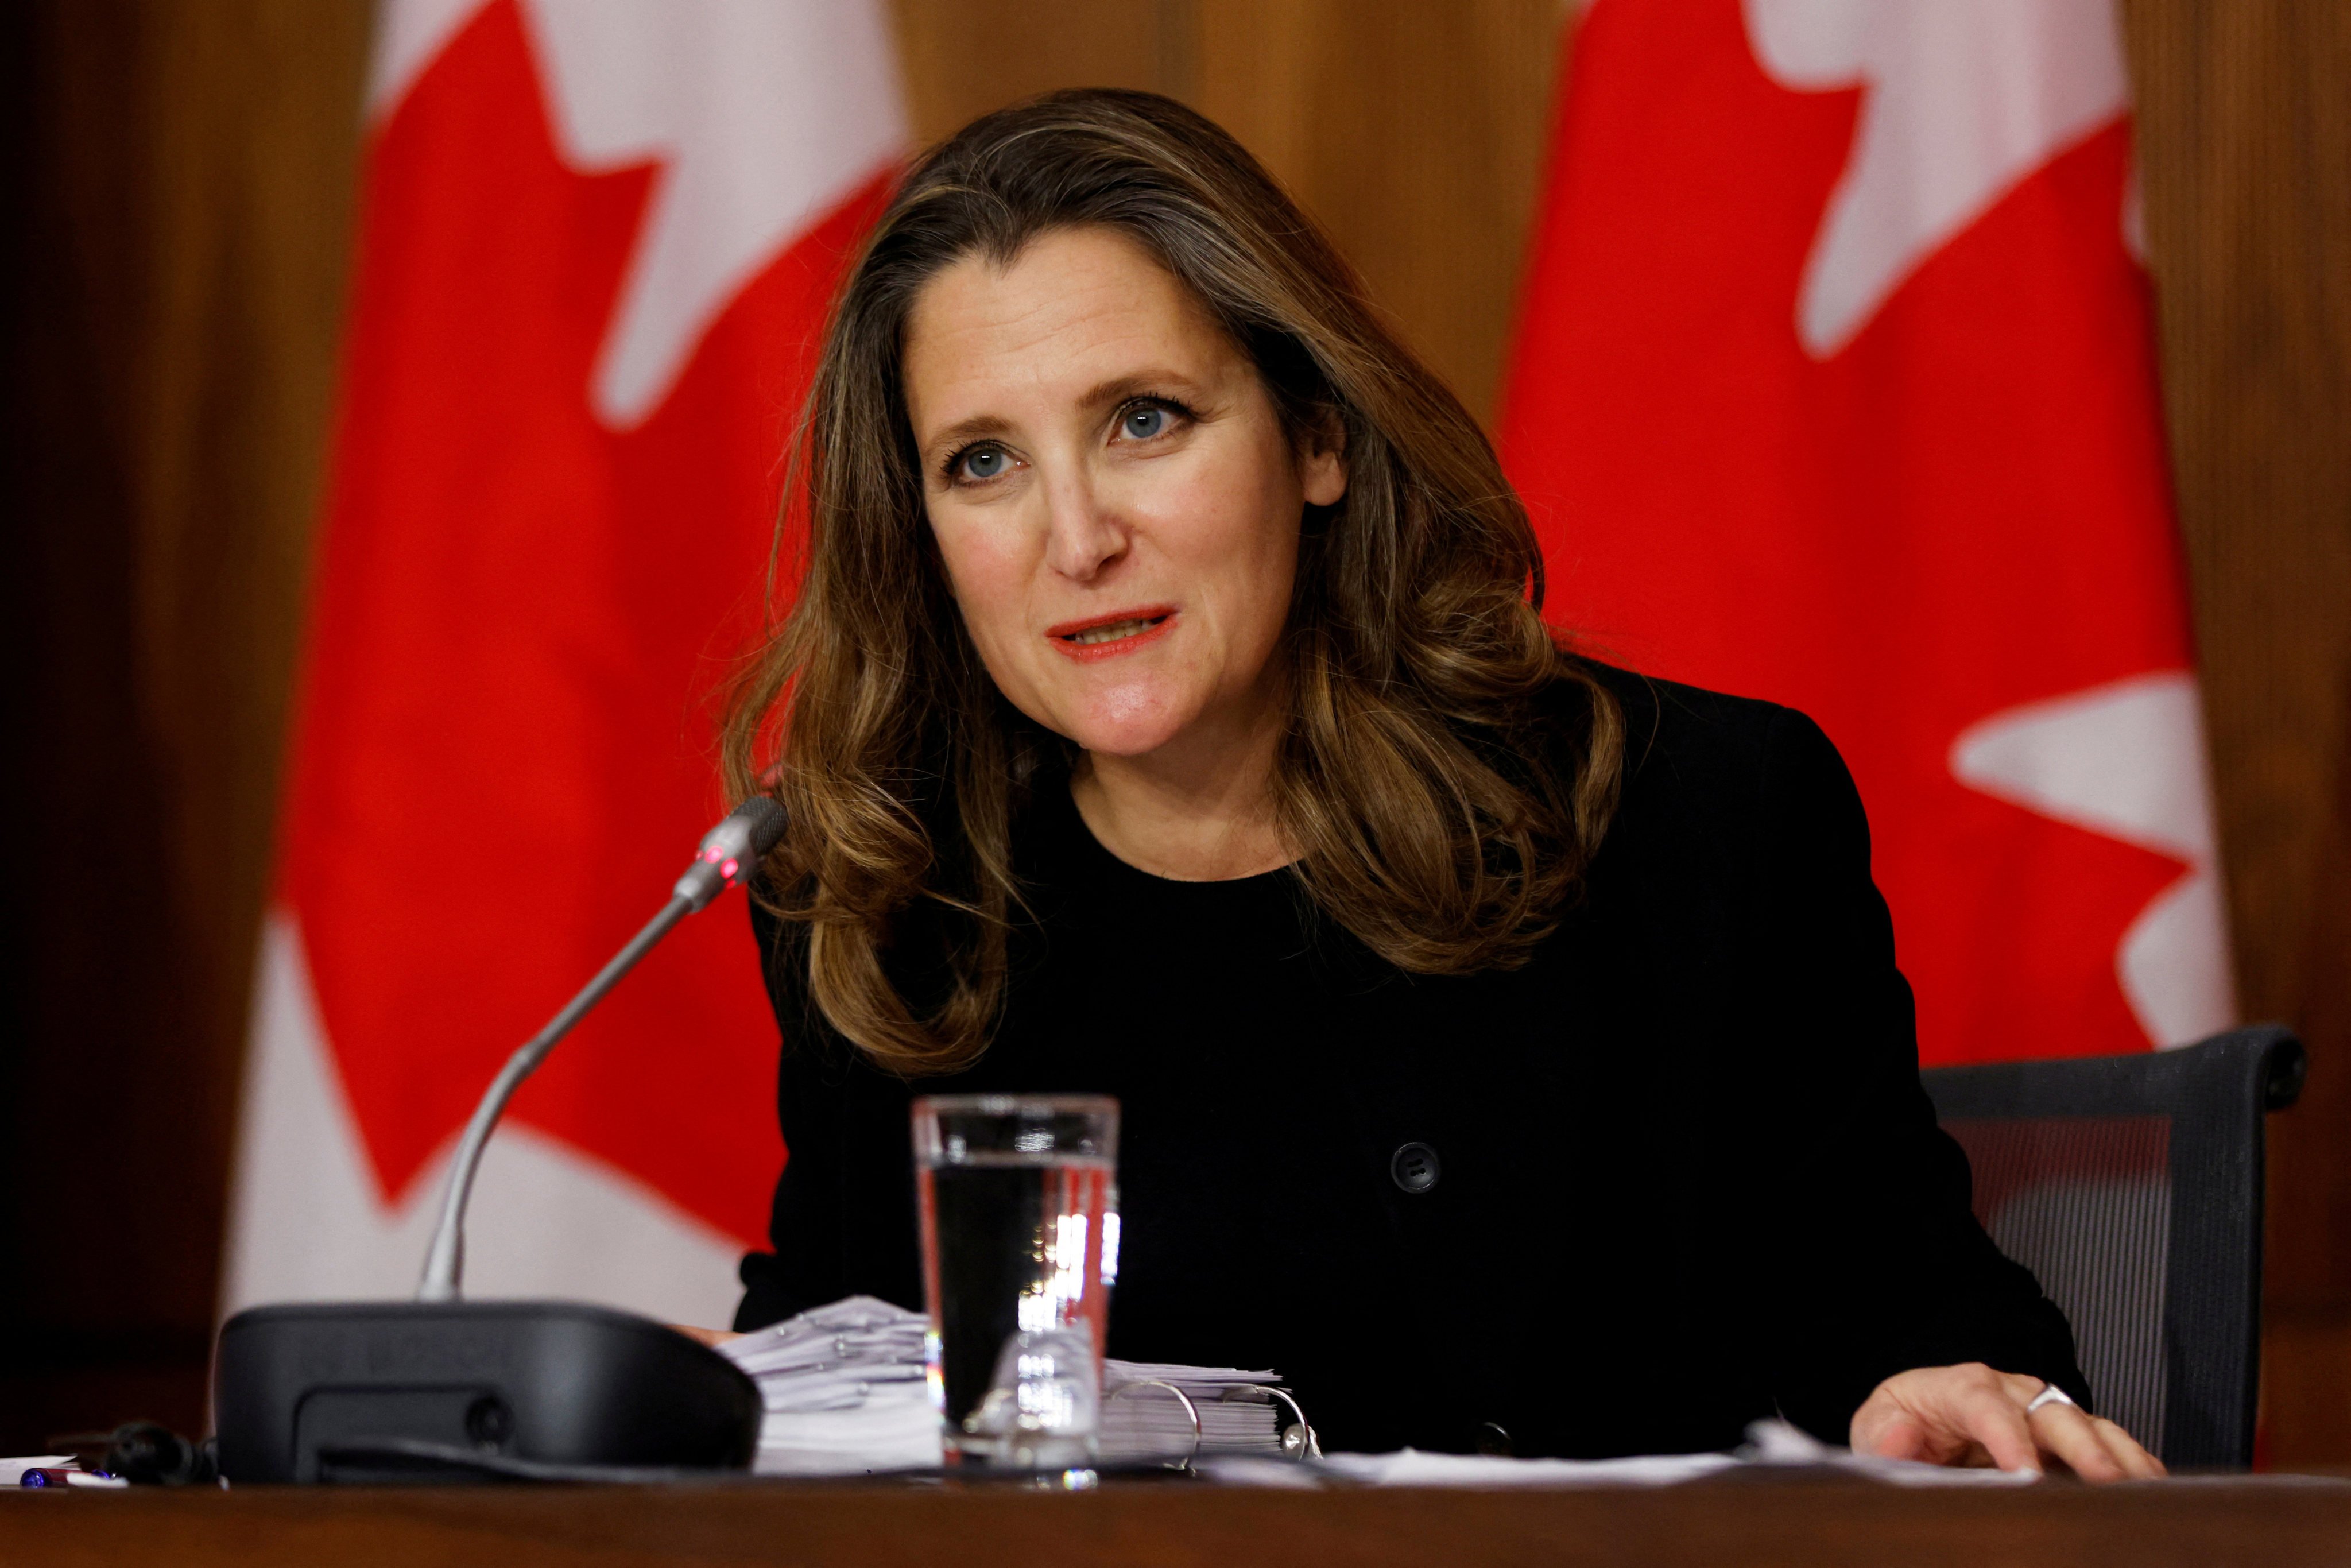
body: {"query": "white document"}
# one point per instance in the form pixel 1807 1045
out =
pixel 846 1394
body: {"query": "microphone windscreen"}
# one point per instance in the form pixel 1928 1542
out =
pixel 765 821
pixel 732 851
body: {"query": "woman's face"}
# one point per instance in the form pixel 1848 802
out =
pixel 1113 495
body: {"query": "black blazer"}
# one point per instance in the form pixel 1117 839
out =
pixel 1686 1177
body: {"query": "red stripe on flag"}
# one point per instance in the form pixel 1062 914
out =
pixel 504 746
pixel 1964 510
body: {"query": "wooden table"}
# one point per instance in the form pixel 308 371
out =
pixel 1780 1518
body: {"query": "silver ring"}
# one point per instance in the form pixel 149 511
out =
pixel 1297 1441
pixel 2052 1394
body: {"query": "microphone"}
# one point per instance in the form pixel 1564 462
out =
pixel 441 1388
pixel 728 854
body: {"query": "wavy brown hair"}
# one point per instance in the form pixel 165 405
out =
pixel 1446 772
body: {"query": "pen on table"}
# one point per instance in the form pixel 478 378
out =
pixel 45 1475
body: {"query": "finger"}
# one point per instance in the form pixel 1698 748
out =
pixel 1898 1437
pixel 1866 1434
pixel 2024 1387
pixel 1888 1428
pixel 2066 1432
pixel 2135 1462
pixel 1993 1416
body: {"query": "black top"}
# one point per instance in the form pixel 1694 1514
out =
pixel 1684 1171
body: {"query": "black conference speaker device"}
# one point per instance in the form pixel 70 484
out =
pixel 441 1388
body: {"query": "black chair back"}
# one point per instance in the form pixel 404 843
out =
pixel 2131 1187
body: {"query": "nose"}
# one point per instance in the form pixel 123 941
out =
pixel 1083 534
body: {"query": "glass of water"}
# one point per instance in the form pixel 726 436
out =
pixel 1019 1209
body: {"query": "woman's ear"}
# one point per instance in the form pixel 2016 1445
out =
pixel 1322 460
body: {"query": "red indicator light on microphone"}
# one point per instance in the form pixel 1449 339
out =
pixel 729 869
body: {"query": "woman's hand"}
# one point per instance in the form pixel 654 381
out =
pixel 1973 1415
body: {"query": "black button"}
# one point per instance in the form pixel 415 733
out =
pixel 1414 1168
pixel 1493 1442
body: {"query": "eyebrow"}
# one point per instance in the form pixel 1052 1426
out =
pixel 1102 394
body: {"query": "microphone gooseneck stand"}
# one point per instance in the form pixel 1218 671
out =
pixel 444 1264
pixel 440 1388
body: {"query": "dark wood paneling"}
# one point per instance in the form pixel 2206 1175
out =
pixel 2307 1343
pixel 2245 124
pixel 186 181
pixel 2245 141
pixel 1416 133
pixel 963 57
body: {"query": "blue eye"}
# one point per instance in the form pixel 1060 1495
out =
pixel 1144 423
pixel 983 462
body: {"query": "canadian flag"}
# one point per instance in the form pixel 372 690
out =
pixel 1835 385
pixel 597 237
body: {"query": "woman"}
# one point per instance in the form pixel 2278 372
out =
pixel 1505 1040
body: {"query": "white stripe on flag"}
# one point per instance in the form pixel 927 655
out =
pixel 305 1222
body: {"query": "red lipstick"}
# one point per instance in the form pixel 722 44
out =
pixel 1154 622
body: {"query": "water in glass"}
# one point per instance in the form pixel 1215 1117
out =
pixel 1019 1251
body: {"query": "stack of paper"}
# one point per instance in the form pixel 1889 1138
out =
pixel 1237 1416
pixel 843 1388
pixel 845 1393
